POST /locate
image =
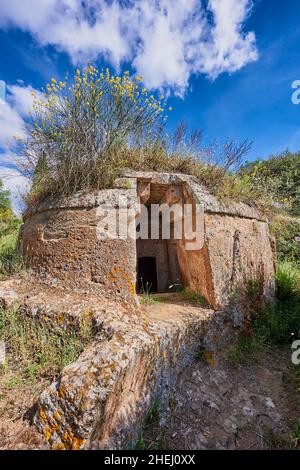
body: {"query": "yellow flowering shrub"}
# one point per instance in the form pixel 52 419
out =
pixel 84 129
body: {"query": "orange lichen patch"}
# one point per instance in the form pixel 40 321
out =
pixel 47 433
pixel 60 318
pixel 49 430
pixel 59 446
pixel 210 358
pixel 132 288
pixel 72 442
pixel 42 415
pixel 62 391
pixel 57 416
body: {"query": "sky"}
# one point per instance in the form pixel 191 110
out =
pixel 227 66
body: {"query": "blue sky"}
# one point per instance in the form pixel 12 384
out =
pixel 227 65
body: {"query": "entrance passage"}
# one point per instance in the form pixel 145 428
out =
pixel 147 274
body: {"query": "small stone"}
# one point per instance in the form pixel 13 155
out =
pixel 248 411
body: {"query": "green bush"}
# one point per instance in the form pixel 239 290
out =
pixel 85 129
pixel 288 281
pixel 286 229
pixel 273 324
pixel 280 174
pixel 279 323
pixel 9 229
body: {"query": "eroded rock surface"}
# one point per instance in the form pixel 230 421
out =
pixel 101 400
pixel 230 407
pixel 61 246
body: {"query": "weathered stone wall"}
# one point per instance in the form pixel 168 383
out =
pixel 236 251
pixel 60 245
pixel 165 253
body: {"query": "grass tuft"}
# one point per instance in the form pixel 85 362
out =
pixel 33 350
pixel 273 324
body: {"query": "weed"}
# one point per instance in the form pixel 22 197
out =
pixel 36 351
pixel 193 297
pixel 156 442
pixel 273 324
pixel 274 441
pixel 296 434
pixel 248 349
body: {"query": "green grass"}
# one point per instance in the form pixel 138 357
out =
pixel 279 323
pixel 10 261
pixel 273 324
pixel 248 349
pixel 151 299
pixel 34 351
pixel 193 297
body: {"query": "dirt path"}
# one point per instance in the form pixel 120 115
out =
pixel 16 399
pixel 226 407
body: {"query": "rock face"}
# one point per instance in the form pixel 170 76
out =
pixel 101 400
pixel 60 244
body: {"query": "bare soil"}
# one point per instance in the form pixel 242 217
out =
pixel 224 406
pixel 17 397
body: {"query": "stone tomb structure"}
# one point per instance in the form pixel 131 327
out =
pixel 61 246
pixel 101 400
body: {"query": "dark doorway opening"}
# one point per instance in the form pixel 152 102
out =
pixel 147 274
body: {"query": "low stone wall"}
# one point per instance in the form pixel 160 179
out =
pixel 101 400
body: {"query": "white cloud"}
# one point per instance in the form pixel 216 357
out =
pixel 21 99
pixel 11 124
pixel 18 186
pixel 166 40
pixel 13 111
pixel 12 115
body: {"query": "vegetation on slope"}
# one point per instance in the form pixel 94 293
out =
pixel 280 174
pixel 85 130
pixel 9 228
